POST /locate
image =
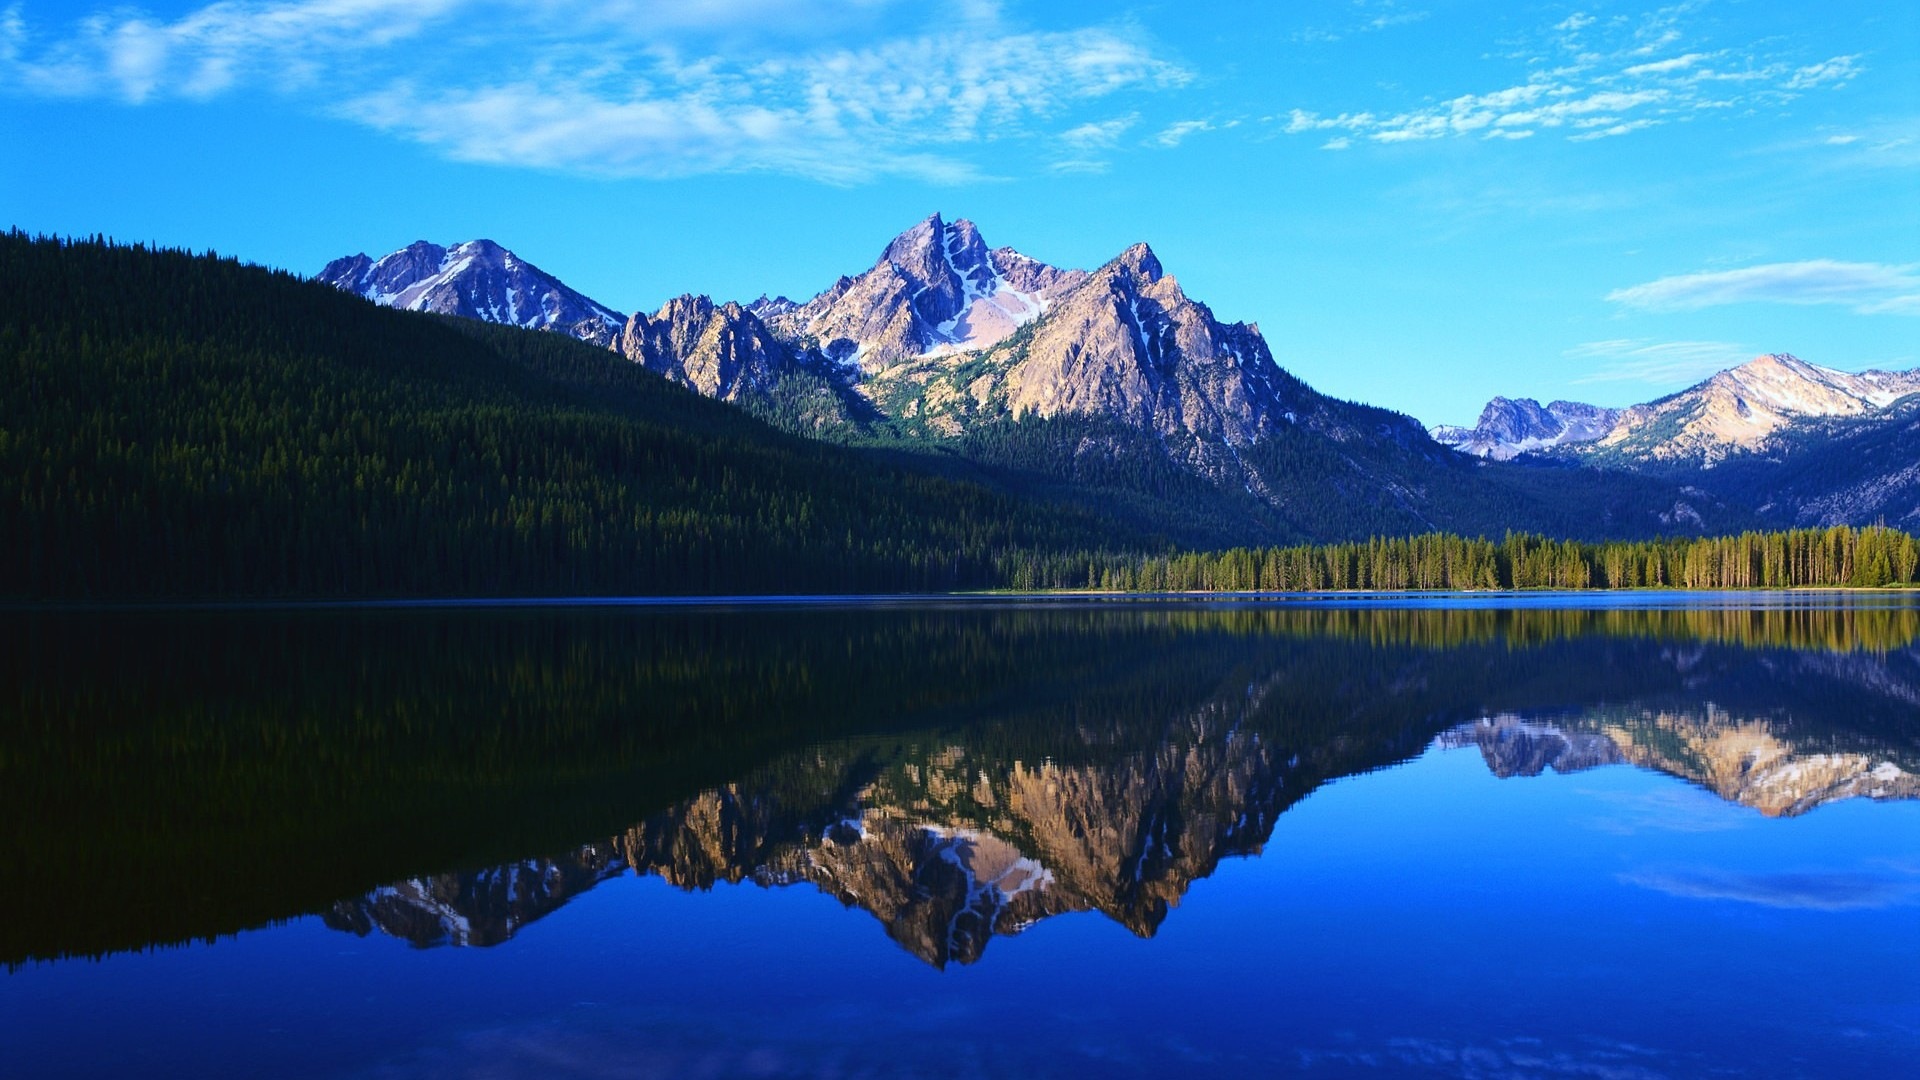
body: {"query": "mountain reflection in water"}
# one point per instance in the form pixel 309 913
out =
pixel 960 773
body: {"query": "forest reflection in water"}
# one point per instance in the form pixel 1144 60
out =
pixel 959 771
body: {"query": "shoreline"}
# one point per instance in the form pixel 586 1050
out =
pixel 1624 598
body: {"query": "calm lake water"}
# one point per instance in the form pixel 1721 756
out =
pixel 1668 836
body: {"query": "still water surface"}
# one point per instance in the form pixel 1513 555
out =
pixel 1675 837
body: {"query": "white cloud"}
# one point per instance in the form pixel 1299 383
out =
pixel 1080 167
pixel 215 48
pixel 1618 75
pixel 1097 134
pixel 629 88
pixel 1869 288
pixel 1657 363
pixel 1667 66
pixel 1174 134
pixel 1338 142
pixel 1840 69
pixel 1613 129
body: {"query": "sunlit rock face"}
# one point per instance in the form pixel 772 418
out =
pixel 935 290
pixel 721 351
pixel 475 280
pixel 1129 344
pixel 944 334
pixel 1740 408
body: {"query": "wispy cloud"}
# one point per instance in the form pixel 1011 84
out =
pixel 1593 79
pixel 627 89
pixel 1840 69
pixel 1367 16
pixel 1869 288
pixel 1813 890
pixel 1098 134
pixel 136 57
pixel 1657 363
pixel 1174 134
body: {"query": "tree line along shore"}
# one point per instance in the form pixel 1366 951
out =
pixel 1875 556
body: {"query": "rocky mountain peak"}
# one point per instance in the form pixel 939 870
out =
pixel 771 307
pixel 1516 420
pixel 936 288
pixel 477 279
pixel 723 351
pixel 1140 262
pixel 1509 427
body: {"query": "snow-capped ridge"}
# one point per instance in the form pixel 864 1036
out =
pixel 475 279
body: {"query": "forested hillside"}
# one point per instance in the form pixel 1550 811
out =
pixel 178 426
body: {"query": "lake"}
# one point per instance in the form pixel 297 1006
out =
pixel 1584 836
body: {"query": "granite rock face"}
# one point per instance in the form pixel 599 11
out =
pixel 722 351
pixel 1128 344
pixel 936 288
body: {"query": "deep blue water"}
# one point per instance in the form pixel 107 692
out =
pixel 1132 841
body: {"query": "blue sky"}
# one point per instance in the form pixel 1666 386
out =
pixel 1422 204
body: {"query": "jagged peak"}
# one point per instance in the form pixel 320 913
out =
pixel 927 233
pixel 1140 261
pixel 686 305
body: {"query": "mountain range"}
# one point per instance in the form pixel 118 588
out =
pixel 977 350
pixel 940 335
pixel 1108 386
pixel 1801 443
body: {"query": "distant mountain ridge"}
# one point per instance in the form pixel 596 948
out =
pixel 1803 444
pixel 1508 428
pixel 477 279
pixel 1733 411
pixel 1741 408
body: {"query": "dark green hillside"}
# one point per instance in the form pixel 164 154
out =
pixel 183 426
